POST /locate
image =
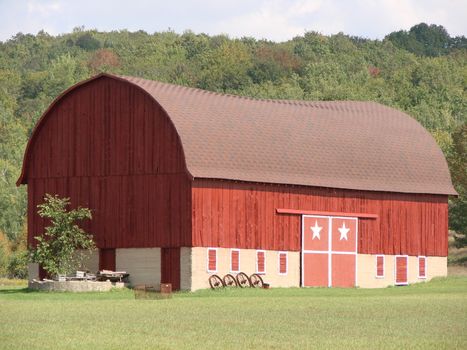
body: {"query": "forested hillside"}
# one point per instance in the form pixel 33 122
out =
pixel 422 71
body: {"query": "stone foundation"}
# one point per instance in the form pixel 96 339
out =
pixel 185 268
pixel 33 271
pixel 74 286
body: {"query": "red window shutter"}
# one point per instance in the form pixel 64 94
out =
pixel 422 267
pixel 260 262
pixel 234 260
pixel 380 266
pixel 212 262
pixel 401 270
pixel 282 263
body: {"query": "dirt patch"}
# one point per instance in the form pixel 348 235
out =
pixel 457 270
pixel 456 256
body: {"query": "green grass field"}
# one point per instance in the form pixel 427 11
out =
pixel 425 316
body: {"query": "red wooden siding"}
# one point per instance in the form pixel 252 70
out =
pixel 212 260
pixel 234 261
pixel 283 263
pixel 243 215
pixel 380 266
pixel 109 147
pixel 401 270
pixel 260 268
pixel 107 259
pixel 170 267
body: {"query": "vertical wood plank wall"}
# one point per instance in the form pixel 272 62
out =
pixel 170 267
pixel 242 215
pixel 109 147
pixel 107 259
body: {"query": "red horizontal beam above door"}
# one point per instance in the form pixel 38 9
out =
pixel 325 213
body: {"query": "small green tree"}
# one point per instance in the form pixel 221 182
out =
pixel 458 165
pixel 64 244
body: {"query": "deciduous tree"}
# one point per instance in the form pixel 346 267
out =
pixel 62 247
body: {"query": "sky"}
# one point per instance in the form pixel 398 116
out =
pixel 277 20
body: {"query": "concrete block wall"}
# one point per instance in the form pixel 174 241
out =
pixel 90 261
pixel 366 270
pixel 143 265
pixel 200 274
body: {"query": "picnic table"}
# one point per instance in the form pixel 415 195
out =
pixel 112 276
pixel 82 276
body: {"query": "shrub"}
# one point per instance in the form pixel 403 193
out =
pixel 18 265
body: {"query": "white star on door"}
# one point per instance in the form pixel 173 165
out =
pixel 344 231
pixel 316 230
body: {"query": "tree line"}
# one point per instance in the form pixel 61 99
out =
pixel 422 71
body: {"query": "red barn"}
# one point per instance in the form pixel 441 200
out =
pixel 184 183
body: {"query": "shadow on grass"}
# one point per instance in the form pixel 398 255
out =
pixel 6 291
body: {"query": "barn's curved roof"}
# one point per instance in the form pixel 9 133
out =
pixel 336 144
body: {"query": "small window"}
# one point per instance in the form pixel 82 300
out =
pixel 379 266
pixel 282 263
pixel 260 261
pixel 234 260
pixel 421 267
pixel 212 260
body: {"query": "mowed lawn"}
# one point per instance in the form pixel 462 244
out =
pixel 425 316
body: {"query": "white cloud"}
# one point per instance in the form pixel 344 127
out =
pixel 271 19
pixel 43 8
pixel 281 20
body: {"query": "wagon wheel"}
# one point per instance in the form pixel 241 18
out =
pixel 215 282
pixel 256 281
pixel 229 281
pixel 243 280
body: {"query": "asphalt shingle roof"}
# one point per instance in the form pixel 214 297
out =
pixel 336 144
